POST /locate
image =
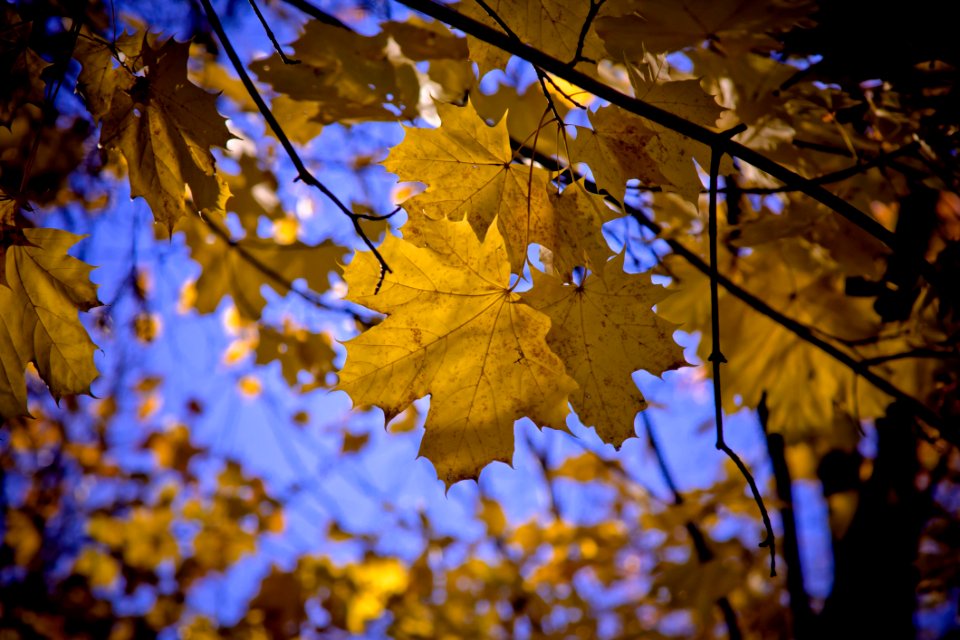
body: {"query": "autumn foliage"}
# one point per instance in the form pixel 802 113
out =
pixel 509 207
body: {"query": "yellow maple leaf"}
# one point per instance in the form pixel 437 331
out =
pixel 468 171
pixel 605 329
pixel 163 124
pixel 454 330
pixel 41 290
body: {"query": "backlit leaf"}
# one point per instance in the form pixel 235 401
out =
pixel 455 331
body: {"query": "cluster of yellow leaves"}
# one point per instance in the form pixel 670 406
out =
pixel 456 330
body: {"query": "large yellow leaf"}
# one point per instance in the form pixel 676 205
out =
pixel 605 329
pixel 468 171
pixel 163 124
pixel 41 291
pixel 455 331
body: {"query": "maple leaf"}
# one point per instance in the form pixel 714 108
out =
pixel 652 83
pixel 469 173
pixel 524 114
pixel 240 268
pixel 553 26
pixel 41 290
pixel 454 330
pixel 163 124
pixel 616 150
pixel 604 329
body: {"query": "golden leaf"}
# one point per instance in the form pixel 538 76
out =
pixel 163 124
pixel 605 329
pixel 343 76
pixel 631 28
pixel 41 290
pixel 468 171
pixel 552 26
pixel 454 330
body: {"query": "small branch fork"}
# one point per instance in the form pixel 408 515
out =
pixel 269 32
pixel 303 173
pixel 717 358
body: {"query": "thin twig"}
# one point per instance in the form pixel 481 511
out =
pixel 584 30
pixel 302 172
pixel 560 90
pixel 273 38
pixel 716 357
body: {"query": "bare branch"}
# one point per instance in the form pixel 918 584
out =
pixel 585 29
pixel 799 600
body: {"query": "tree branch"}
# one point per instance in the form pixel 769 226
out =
pixel 273 38
pixel 316 13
